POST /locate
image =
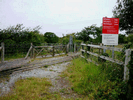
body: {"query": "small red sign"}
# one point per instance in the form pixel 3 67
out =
pixel 110 25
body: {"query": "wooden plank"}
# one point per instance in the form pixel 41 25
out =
pixel 103 47
pixel 42 46
pixel 82 56
pixel 83 44
pixel 82 50
pixel 28 52
pixel 106 58
pixel 126 70
pixel 59 45
pixel 40 51
pixel 2 52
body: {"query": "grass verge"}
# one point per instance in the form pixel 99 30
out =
pixel 95 82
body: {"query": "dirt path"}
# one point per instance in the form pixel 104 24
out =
pixel 59 85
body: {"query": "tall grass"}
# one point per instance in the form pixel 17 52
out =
pixel 96 82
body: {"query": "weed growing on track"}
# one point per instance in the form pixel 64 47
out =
pixel 96 82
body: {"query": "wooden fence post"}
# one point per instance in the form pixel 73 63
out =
pixel 28 52
pixel 2 52
pixel 82 49
pixel 88 49
pixel 74 47
pixel 32 50
pixel 67 47
pixel 53 50
pixel 113 53
pixel 127 59
pixel 104 50
pixel 100 50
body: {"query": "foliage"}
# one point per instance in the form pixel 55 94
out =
pixel 89 31
pixel 130 38
pixel 17 40
pixel 121 38
pixel 65 39
pixel 123 10
pixel 96 82
pixel 18 34
pixel 51 37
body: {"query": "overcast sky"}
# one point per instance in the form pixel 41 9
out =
pixel 58 16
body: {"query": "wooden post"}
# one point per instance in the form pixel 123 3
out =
pixel 91 48
pixel 28 52
pixel 127 59
pixel 53 50
pixel 2 52
pixel 74 47
pixel 67 47
pixel 113 53
pixel 88 49
pixel 100 50
pixel 104 50
pixel 82 49
pixel 32 50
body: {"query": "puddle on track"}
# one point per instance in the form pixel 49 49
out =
pixel 50 72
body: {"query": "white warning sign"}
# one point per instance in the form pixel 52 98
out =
pixel 110 39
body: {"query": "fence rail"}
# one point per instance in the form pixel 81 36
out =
pixel 103 47
pixel 51 49
pixel 125 63
pixel 14 51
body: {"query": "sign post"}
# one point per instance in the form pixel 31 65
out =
pixel 71 43
pixel 110 31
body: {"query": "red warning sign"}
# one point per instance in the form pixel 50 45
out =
pixel 110 25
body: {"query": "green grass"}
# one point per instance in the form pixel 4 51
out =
pixel 95 82
pixel 34 89
pixel 14 56
pixel 31 89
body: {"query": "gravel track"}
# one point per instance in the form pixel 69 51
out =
pixel 36 69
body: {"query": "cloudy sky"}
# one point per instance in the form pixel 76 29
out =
pixel 58 16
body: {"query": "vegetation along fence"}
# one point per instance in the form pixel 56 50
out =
pixel 97 51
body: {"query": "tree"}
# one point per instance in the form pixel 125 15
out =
pixel 89 31
pixel 19 34
pixel 130 38
pixel 122 38
pixel 51 37
pixel 124 11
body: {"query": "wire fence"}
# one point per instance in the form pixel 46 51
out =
pixel 14 51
